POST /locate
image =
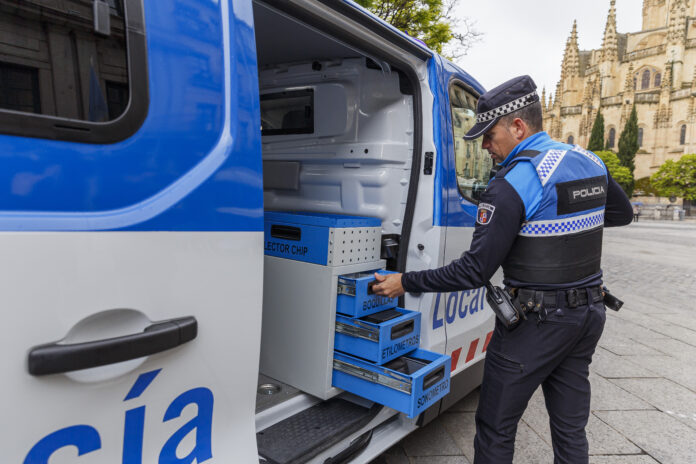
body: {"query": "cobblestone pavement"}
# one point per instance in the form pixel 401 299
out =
pixel 643 373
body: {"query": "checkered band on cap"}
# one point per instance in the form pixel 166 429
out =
pixel 589 155
pixel 507 108
pixel 565 226
pixel 552 159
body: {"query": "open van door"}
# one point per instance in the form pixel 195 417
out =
pixel 466 169
pixel 131 239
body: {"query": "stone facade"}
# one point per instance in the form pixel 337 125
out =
pixel 50 53
pixel 654 68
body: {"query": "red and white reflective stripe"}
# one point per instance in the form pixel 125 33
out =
pixel 471 354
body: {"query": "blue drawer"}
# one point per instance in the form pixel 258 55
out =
pixel 326 239
pixel 409 384
pixel 379 337
pixel 355 297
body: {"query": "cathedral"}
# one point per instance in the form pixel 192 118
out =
pixel 653 69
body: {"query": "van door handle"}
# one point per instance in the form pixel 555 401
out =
pixel 54 358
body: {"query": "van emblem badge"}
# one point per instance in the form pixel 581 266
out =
pixel 485 213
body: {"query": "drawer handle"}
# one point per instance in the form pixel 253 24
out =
pixel 371 284
pixel 433 378
pixel 402 329
pixel 286 232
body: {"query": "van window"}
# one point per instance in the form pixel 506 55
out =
pixel 289 112
pixel 66 65
pixel 472 163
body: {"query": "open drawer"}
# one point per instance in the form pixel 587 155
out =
pixel 355 296
pixel 409 384
pixel 378 337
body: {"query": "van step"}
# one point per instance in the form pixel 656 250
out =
pixel 304 435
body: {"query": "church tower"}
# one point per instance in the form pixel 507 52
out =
pixel 654 14
pixel 570 90
pixel 676 39
pixel 609 54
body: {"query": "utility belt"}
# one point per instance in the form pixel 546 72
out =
pixel 528 300
pixel 512 304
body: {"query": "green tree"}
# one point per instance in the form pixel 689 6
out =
pixel 621 174
pixel 628 141
pixel 597 135
pixel 645 187
pixel 432 21
pixel 677 178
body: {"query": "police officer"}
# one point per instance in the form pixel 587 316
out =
pixel 541 218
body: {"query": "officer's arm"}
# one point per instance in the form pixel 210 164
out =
pixel 491 243
pixel 618 211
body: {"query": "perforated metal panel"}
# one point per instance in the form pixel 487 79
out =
pixel 354 245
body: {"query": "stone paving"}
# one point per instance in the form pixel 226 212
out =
pixel 643 373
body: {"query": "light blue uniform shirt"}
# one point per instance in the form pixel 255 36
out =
pixel 523 176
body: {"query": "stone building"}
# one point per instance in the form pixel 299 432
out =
pixel 60 58
pixel 654 68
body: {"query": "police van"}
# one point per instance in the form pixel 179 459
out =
pixel 197 195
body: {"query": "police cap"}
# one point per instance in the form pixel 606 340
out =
pixel 508 97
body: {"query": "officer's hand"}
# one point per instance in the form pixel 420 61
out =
pixel 389 285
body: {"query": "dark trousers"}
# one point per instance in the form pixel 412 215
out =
pixel 554 353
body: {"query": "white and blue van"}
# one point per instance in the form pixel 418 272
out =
pixel 141 143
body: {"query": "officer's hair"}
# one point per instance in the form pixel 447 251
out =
pixel 530 114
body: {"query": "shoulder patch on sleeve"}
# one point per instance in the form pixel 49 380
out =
pixel 484 213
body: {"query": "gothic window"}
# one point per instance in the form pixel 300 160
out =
pixel 635 83
pixel 571 140
pixel 645 80
pixel 682 135
pixel 640 137
pixel 658 79
pixel 612 138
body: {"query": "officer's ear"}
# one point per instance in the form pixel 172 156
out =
pixel 519 129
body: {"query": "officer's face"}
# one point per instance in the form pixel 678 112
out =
pixel 499 141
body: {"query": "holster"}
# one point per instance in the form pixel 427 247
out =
pixel 610 301
pixel 502 306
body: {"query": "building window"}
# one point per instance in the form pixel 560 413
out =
pixel 116 7
pixel 571 140
pixel 88 70
pixel 640 137
pixel 116 98
pixel 658 79
pixel 19 88
pixel 472 164
pixel 682 135
pixel 612 138
pixel 645 80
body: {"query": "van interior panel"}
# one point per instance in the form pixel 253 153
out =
pixel 344 123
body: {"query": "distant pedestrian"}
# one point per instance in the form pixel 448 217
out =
pixel 636 213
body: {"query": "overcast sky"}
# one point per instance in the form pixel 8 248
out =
pixel 529 37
